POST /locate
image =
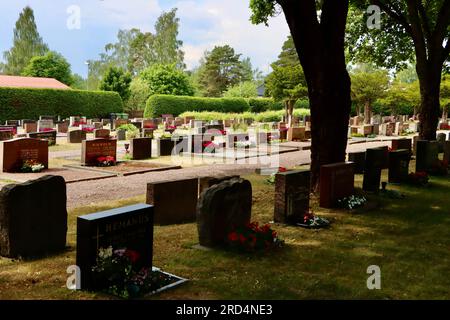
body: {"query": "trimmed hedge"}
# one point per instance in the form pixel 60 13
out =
pixel 25 103
pixel 266 116
pixel 158 105
pixel 264 104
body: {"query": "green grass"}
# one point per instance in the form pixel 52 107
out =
pixel 407 238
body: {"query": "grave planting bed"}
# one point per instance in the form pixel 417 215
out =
pixel 126 168
pixel 70 175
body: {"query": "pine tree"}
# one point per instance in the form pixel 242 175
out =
pixel 27 44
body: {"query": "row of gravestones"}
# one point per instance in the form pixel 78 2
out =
pixel 38 227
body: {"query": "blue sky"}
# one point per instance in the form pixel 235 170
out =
pixel 203 24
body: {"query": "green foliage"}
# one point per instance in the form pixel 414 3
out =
pixel 131 130
pixel 445 93
pixel 264 104
pixel 247 89
pixel 167 79
pixel 286 83
pixel 262 10
pixel 400 98
pixel 139 94
pixel 267 116
pixel 79 83
pixel 288 56
pixel 52 65
pixel 166 104
pixel 27 43
pixel 220 69
pixel 115 79
pixel 19 103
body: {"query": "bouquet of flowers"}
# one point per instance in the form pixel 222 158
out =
pixel 32 166
pixel 106 161
pixel 310 220
pixel 252 237
pixel 352 202
pixel 419 178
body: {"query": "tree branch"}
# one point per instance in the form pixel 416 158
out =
pixel 443 21
pixel 391 12
pixel 416 32
pixel 425 21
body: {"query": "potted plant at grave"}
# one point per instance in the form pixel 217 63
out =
pixel 31 166
pixel 253 238
pixel 119 273
pixel 311 221
pixel 131 131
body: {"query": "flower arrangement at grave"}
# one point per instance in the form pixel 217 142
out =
pixel 31 166
pixel 88 129
pixel 419 178
pixel 210 146
pixel 271 179
pixel 310 220
pixel 119 273
pixel 243 144
pixel 253 238
pixel 47 129
pixel 439 168
pixel 106 161
pixel 352 202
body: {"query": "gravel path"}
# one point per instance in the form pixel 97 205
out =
pixel 89 192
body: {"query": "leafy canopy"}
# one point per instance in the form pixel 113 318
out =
pixel 52 65
pixel 167 79
pixel 115 79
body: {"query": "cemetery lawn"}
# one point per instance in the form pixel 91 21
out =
pixel 407 238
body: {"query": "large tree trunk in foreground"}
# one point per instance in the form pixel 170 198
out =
pixel 320 47
pixel 430 83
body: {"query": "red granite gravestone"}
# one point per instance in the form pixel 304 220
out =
pixel 296 134
pixel 401 144
pixel 447 151
pixel 6 135
pixel 62 127
pixel 175 202
pixel 91 150
pixel 76 136
pixel 336 182
pixel 13 153
pixel 102 133
pixel 30 127
pixel 49 136
pixel 292 189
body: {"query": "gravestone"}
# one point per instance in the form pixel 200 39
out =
pixel 336 182
pixel 76 136
pixel 165 147
pixel 447 151
pixel 6 135
pixel 62 127
pixel 30 127
pixel 401 144
pixel 441 137
pixel 359 159
pixel 292 189
pixel 91 150
pixel 49 136
pixel 121 135
pixel 122 228
pixel 45 125
pixel 33 218
pixel 13 153
pixel 222 208
pixel 102 134
pixel 14 123
pixel 141 148
pixel 175 201
pixel 207 182
pixel 375 160
pixel 426 155
pixel 399 165
pixel 296 134
pixel 9 128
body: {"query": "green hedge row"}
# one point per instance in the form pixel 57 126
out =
pixel 158 105
pixel 268 104
pixel 266 116
pixel 23 103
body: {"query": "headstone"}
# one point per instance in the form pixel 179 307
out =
pixel 296 134
pixel 426 155
pixel 441 137
pixel 165 147
pixel 141 148
pixel 375 160
pixel 6 135
pixel 121 135
pixel 122 228
pixel 401 144
pixel 207 182
pixel 9 128
pixel 359 159
pixel 175 201
pixel 149 124
pixel 91 150
pixel 45 125
pixel 102 133
pixel 97 125
pixel 49 136
pixel 14 123
pixel 13 153
pixel 30 127
pixel 447 151
pixel 336 182
pixel 33 218
pixel 221 209
pixel 292 189
pixel 62 127
pixel 399 165
pixel 76 136
pixel 147 133
pixel 49 118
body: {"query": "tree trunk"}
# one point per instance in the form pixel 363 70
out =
pixel 444 114
pixel 290 111
pixel 367 112
pixel 320 46
pixel 430 83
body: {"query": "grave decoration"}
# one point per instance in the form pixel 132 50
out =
pixel 311 221
pixel 352 202
pixel 419 178
pixel 253 238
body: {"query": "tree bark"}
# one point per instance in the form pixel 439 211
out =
pixel 320 46
pixel 430 105
pixel 367 112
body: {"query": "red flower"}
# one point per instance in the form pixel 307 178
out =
pixel 233 236
pixel 282 169
pixel 242 239
pixel 132 255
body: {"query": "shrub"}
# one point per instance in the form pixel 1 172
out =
pixel 140 92
pixel 24 103
pixel 166 104
pixel 167 79
pixel 264 104
pixel 268 116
